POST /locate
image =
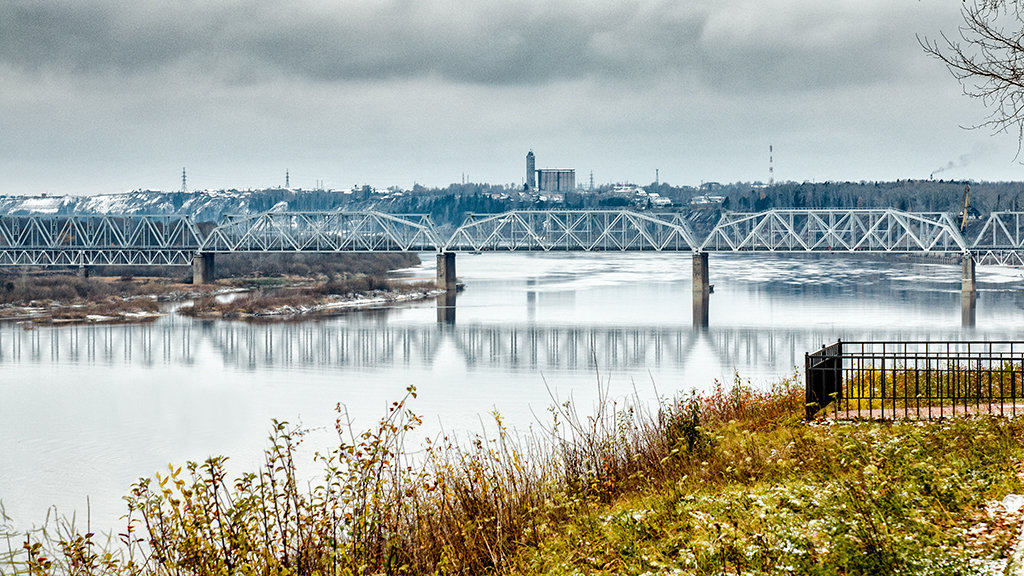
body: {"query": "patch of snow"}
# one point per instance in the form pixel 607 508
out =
pixel 98 318
pixel 1013 502
pixel 141 315
pixel 48 205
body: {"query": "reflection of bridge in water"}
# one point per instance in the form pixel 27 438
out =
pixel 327 345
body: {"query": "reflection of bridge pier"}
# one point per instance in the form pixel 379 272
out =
pixel 531 300
pixel 968 292
pixel 446 307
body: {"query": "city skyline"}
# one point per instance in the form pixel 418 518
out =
pixel 103 97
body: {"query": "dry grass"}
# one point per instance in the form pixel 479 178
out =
pixel 458 507
pixel 60 298
pixel 66 289
pixel 306 299
pixel 312 265
pixel 722 483
pixel 21 287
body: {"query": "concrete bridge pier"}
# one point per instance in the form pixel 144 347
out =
pixel 701 290
pixel 446 282
pixel 203 270
pixel 83 271
pixel 446 271
pixel 967 282
pixel 968 291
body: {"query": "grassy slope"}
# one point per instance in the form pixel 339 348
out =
pixel 731 482
pixel 794 499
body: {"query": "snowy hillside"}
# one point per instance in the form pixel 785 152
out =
pixel 202 205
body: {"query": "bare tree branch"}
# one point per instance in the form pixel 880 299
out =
pixel 988 60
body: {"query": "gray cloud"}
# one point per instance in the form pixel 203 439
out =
pixel 102 95
pixel 729 45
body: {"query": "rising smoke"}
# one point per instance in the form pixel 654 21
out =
pixel 964 160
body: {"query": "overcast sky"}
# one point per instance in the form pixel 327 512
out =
pixel 113 95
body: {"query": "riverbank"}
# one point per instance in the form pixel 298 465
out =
pixel 289 299
pixel 264 288
pixel 65 299
pixel 728 482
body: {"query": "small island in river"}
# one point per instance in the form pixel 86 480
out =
pixel 265 288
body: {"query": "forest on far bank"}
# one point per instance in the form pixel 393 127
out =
pixel 449 205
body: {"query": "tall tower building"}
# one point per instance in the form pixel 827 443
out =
pixel 531 171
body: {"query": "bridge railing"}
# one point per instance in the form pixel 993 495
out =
pixel 915 379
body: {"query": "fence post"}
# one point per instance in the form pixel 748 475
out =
pixel 809 406
pixel 824 378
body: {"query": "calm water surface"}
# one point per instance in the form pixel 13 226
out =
pixel 86 410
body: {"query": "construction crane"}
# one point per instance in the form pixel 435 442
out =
pixel 967 204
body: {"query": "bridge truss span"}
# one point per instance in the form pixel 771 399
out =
pixel 168 240
pixel 824 230
pixel 573 230
pixel 1001 240
pixel 365 231
pixel 1001 231
pixel 97 240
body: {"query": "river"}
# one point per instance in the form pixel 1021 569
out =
pixel 86 410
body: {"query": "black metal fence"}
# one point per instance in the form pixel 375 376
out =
pixel 915 380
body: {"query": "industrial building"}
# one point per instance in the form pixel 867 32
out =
pixel 548 179
pixel 556 180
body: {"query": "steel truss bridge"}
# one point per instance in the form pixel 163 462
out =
pixel 835 231
pixel 140 240
pixel 97 240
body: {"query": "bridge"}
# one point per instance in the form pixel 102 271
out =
pixel 141 240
